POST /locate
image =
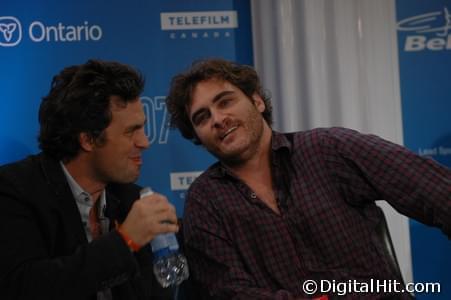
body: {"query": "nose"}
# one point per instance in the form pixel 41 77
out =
pixel 218 119
pixel 141 140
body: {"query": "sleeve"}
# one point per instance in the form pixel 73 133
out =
pixel 30 270
pixel 214 262
pixel 369 168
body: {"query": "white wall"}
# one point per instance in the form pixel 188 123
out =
pixel 333 63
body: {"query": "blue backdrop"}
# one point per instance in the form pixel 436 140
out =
pixel 424 40
pixel 160 38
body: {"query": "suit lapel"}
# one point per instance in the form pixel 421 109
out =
pixel 112 209
pixel 118 203
pixel 116 210
pixel 65 201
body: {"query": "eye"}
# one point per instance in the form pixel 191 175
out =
pixel 224 102
pixel 129 132
pixel 201 117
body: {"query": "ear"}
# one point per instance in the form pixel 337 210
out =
pixel 258 102
pixel 86 142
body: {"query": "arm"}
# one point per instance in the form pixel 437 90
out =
pixel 374 169
pixel 44 254
pixel 28 270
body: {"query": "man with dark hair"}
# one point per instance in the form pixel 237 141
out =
pixel 73 226
pixel 278 209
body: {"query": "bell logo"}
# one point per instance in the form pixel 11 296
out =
pixel 10 31
pixel 431 31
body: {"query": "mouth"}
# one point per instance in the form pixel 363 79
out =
pixel 137 160
pixel 226 133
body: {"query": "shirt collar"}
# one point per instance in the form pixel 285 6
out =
pixel 78 192
pixel 280 141
pixel 76 189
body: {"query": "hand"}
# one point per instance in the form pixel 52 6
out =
pixel 148 217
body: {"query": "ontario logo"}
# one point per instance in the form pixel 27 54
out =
pixel 430 31
pixel 200 24
pixel 10 31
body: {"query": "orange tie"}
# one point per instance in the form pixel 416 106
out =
pixel 94 225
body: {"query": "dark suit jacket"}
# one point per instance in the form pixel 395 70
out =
pixel 44 253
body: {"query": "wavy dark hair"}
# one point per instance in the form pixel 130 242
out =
pixel 182 86
pixel 79 101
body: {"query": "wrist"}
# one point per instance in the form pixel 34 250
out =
pixel 126 238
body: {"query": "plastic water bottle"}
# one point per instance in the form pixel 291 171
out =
pixel 169 265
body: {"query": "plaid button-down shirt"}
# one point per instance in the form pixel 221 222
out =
pixel 327 181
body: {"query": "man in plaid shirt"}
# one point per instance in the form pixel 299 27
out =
pixel 280 209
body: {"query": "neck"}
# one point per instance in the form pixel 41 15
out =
pixel 256 172
pixel 79 168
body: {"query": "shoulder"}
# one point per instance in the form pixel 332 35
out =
pixel 315 146
pixel 208 190
pixel 26 182
pixel 20 172
pixel 21 166
pixel 322 135
pixel 326 138
pixel 208 178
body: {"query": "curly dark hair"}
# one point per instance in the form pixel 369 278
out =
pixel 182 86
pixel 79 101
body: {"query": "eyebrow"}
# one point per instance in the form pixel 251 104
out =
pixel 215 99
pixel 135 126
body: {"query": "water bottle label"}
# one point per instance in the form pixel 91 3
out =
pixel 159 242
pixel 167 240
pixel 161 254
pixel 172 242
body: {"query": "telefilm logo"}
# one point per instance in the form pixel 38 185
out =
pixel 11 32
pixel 200 24
pixel 430 31
pixel 180 181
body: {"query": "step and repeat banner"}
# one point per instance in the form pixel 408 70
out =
pixel 424 41
pixel 160 38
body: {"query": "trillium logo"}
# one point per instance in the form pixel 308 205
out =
pixel 10 31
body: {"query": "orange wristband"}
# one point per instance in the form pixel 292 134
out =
pixel 130 243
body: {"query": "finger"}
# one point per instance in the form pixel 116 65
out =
pixel 167 217
pixel 161 205
pixel 171 215
pixel 169 227
pixel 156 204
pixel 156 197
